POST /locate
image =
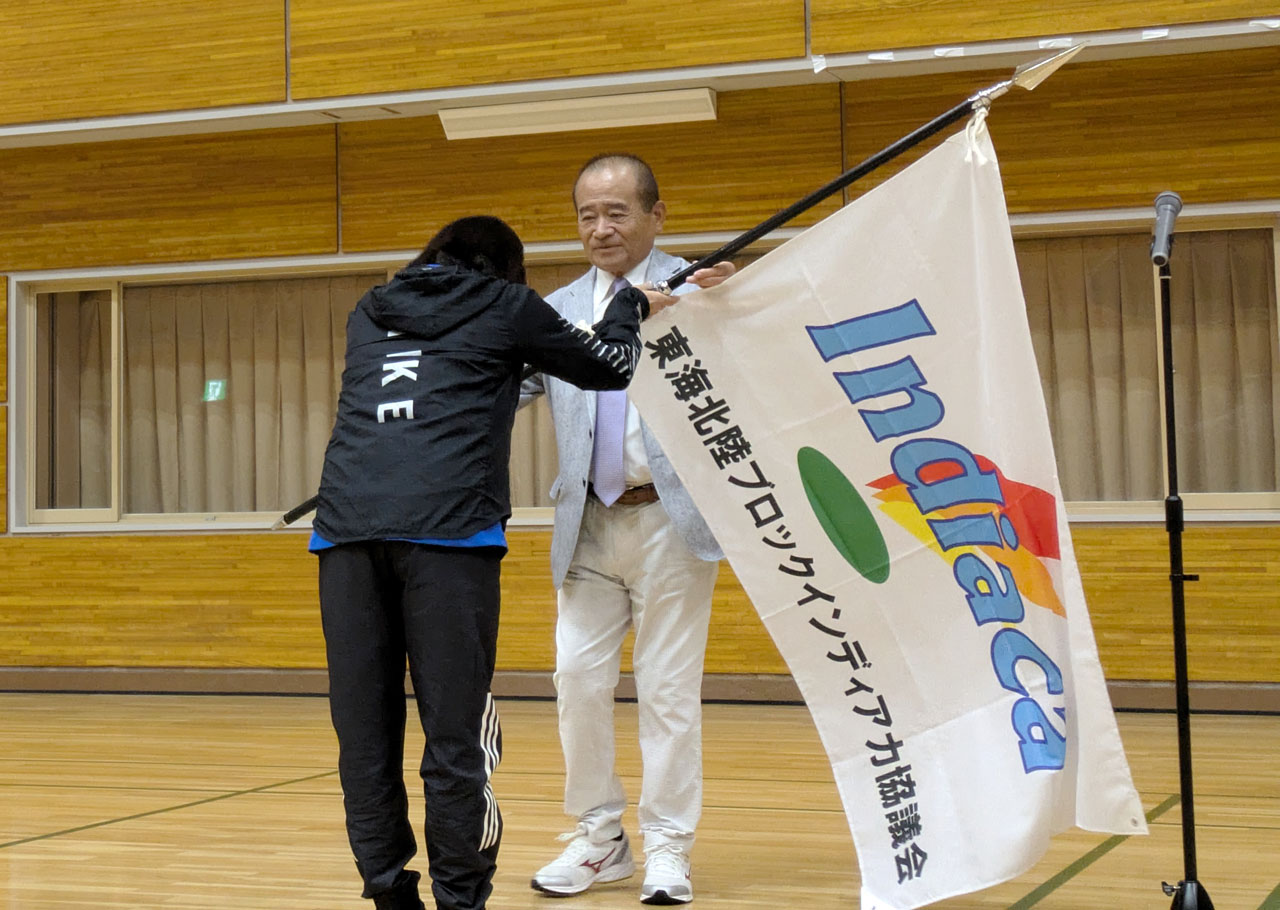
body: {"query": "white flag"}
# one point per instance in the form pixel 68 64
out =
pixel 859 417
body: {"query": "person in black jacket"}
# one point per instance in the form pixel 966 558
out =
pixel 410 532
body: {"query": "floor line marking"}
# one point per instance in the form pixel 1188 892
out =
pixel 1055 882
pixel 198 802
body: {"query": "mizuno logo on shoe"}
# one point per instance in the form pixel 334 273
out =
pixel 596 866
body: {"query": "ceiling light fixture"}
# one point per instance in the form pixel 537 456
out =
pixel 586 113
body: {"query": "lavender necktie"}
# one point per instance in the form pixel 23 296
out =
pixel 607 470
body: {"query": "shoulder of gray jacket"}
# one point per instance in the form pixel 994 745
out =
pixel 665 263
pixel 583 282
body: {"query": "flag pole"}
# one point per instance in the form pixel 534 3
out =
pixel 295 513
pixel 1027 76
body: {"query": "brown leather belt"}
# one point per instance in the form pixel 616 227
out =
pixel 633 496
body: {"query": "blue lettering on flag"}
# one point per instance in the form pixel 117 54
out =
pixel 972 484
pixel 923 409
pixel 872 330
pixel 941 474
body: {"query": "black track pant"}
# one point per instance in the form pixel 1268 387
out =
pixel 381 601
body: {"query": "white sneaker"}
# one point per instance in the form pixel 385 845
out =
pixel 666 877
pixel 584 864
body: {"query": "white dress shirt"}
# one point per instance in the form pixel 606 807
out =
pixel 635 459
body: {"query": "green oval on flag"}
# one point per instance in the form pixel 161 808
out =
pixel 844 515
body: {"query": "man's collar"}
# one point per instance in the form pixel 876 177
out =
pixel 604 280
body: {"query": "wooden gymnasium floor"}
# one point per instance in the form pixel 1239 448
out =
pixel 228 802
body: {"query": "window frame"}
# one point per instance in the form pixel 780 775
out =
pixel 25 286
pixel 27 391
pixel 24 291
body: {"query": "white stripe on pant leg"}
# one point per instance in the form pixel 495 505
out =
pixel 490 732
pixel 490 819
pixel 488 742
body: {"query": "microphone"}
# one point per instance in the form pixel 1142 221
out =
pixel 1167 207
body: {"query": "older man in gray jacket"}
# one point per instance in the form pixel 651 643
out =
pixel 629 549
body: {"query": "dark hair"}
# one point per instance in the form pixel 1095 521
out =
pixel 646 183
pixel 481 243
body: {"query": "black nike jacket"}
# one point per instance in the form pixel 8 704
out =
pixel 422 439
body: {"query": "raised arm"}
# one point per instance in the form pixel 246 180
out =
pixel 603 357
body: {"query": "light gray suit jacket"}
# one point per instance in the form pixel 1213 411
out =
pixel 574 413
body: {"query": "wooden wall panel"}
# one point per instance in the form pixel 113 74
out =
pixel 345 47
pixel 526 632
pixel 4 467
pixel 738 641
pixel 841 26
pixel 260 193
pixel 89 58
pixel 249 600
pixel 214 600
pixel 4 338
pixel 4 406
pixel 1233 612
pixel 1105 134
pixel 401 180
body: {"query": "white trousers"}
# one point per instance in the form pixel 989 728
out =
pixel 631 568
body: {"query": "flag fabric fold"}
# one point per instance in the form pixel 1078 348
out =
pixel 859 417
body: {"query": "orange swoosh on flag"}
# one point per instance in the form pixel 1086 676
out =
pixel 1031 510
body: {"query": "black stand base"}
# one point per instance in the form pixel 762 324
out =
pixel 1188 896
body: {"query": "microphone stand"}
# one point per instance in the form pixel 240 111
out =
pixel 1188 894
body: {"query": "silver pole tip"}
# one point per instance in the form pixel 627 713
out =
pixel 1031 74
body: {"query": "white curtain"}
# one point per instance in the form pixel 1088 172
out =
pixel 277 346
pixel 1226 361
pixel 277 349
pixel 1091 304
pixel 73 408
